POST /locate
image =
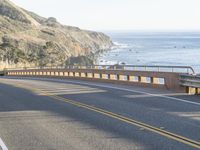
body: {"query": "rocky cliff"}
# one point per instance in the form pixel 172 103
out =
pixel 27 39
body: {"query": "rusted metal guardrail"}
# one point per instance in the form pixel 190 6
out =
pixel 147 76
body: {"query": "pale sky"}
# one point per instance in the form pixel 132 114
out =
pixel 120 14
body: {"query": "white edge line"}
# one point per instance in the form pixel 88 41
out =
pixel 140 92
pixel 122 89
pixel 136 91
pixel 3 146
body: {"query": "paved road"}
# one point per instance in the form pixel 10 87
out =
pixel 70 115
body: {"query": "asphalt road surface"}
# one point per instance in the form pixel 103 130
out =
pixel 50 114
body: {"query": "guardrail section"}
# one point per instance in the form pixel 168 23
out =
pixel 1 73
pixel 191 82
pixel 167 80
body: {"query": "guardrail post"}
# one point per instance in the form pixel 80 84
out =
pixel 109 76
pixel 118 76
pixel 82 74
pixel 76 74
pixel 128 77
pixel 100 76
pixel 197 90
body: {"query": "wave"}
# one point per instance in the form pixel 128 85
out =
pixel 120 45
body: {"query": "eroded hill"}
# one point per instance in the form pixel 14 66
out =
pixel 27 39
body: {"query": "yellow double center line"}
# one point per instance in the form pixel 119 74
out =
pixel 130 121
pixel 159 131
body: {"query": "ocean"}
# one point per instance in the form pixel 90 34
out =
pixel 154 48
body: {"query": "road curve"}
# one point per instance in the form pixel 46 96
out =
pixel 38 113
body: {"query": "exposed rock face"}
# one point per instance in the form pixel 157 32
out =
pixel 27 39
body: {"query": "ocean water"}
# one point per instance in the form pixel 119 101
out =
pixel 158 48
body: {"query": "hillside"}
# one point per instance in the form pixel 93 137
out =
pixel 27 39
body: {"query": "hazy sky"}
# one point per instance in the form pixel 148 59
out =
pixel 120 14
